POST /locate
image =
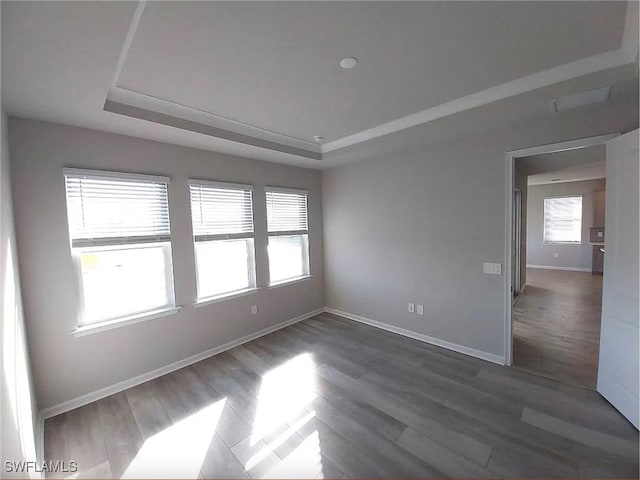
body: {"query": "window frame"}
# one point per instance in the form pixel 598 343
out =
pixel 206 238
pixel 544 221
pixel 76 254
pixel 84 327
pixel 303 234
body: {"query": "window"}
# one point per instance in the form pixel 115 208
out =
pixel 287 226
pixel 121 244
pixel 222 218
pixel 563 220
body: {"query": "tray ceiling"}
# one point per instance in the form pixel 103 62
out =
pixel 261 79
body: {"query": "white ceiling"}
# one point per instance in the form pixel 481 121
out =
pixel 577 173
pixel 260 79
pixel 565 166
pixel 275 65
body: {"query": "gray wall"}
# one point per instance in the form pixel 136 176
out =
pixel 66 367
pixel 569 256
pixel 549 162
pixel 414 220
pixel 19 411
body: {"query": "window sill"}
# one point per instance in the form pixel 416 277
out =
pixel 124 321
pixel 225 296
pixel 566 244
pixel 290 281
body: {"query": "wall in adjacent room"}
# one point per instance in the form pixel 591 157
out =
pixel 543 164
pixel 569 256
pixel 65 366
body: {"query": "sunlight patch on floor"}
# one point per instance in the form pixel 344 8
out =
pixel 304 462
pixel 284 394
pixel 278 441
pixel 179 450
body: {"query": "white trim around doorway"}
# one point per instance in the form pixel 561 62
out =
pixel 509 171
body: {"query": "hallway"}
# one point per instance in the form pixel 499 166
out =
pixel 556 326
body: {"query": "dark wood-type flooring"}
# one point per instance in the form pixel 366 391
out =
pixel 556 326
pixel 329 398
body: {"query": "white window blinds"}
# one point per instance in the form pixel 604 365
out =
pixel 221 210
pixel 107 208
pixel 563 219
pixel 286 211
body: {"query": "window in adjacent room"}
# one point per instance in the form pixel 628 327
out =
pixel 222 218
pixel 120 242
pixel 288 230
pixel 563 219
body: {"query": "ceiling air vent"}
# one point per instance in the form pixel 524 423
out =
pixel 582 99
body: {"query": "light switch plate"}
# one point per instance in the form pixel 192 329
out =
pixel 492 268
pixel 254 309
pixel 420 309
pixel 411 308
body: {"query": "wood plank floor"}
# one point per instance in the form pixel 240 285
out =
pixel 331 398
pixel 556 326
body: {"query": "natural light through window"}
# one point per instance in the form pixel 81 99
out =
pixel 222 219
pixel 287 224
pixel 563 219
pixel 284 394
pixel 179 450
pixel 287 257
pixel 121 243
pixel 305 461
pixel 121 272
pixel 284 409
pixel 283 422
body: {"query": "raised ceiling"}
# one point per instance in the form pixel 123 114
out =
pixel 275 65
pixel 261 79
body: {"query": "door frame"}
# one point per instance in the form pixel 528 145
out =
pixel 516 240
pixel 510 158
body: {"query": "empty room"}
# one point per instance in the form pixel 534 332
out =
pixel 358 239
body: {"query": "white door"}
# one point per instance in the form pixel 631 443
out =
pixel 619 367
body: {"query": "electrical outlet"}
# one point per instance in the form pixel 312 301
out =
pixel 492 268
pixel 420 309
pixel 555 255
pixel 411 308
pixel 254 309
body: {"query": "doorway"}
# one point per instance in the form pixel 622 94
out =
pixel 618 375
pixel 516 281
pixel 556 320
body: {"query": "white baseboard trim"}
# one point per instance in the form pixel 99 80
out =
pixel 490 357
pixel 553 267
pixel 39 440
pixel 145 377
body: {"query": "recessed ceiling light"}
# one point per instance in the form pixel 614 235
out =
pixel 318 138
pixel 348 62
